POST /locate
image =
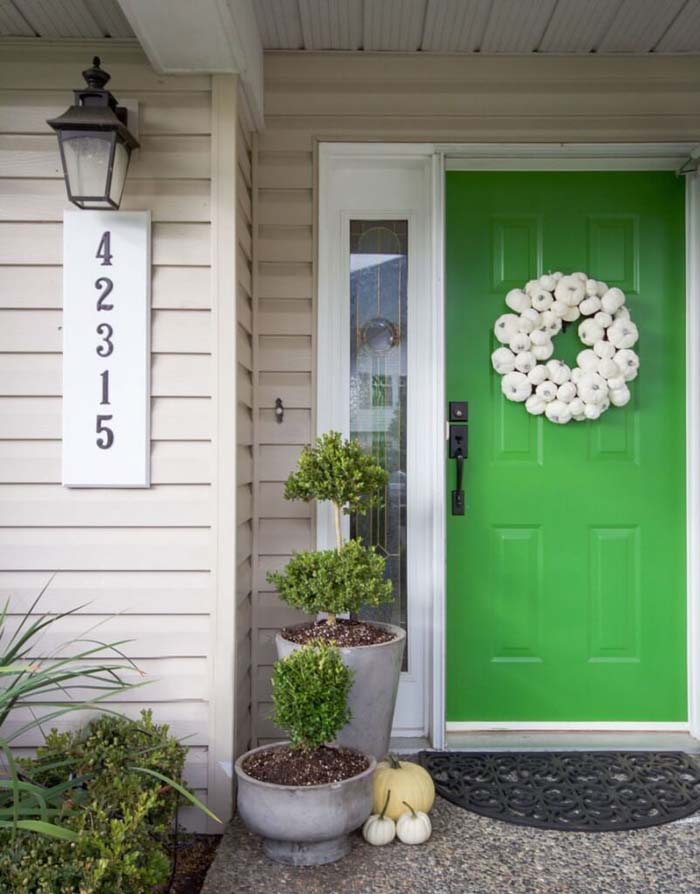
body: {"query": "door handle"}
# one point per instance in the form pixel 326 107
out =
pixel 458 452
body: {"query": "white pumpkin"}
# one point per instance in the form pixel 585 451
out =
pixel 517 300
pixel 613 300
pixel 587 307
pixel 543 352
pixel 535 405
pixel 379 829
pixel 505 327
pixel 537 375
pixel 525 361
pixel 503 360
pixel 557 411
pixel 404 781
pixel 413 827
pixel 516 387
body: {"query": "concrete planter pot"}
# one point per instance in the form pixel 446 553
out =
pixel 372 698
pixel 304 825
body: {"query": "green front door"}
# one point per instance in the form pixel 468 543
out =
pixel 566 596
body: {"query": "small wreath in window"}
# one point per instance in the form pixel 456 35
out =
pixel 547 386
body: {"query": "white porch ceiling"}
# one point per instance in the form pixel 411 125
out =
pixel 56 19
pixel 435 26
pixel 487 26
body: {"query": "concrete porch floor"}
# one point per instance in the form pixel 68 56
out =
pixel 470 854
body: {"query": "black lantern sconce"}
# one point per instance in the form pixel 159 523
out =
pixel 95 144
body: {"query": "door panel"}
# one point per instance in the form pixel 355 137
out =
pixel 566 596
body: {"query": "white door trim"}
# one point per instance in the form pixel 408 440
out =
pixel 560 156
pixel 364 182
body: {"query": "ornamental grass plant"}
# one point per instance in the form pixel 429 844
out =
pixel 343 579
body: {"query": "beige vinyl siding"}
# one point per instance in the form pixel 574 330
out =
pixel 393 97
pixel 244 412
pixel 147 556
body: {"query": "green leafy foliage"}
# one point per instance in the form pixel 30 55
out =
pixel 339 471
pixel 310 691
pixel 81 673
pixel 333 581
pixel 120 817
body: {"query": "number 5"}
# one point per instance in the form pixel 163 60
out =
pixel 105 430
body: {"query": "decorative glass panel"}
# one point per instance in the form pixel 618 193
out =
pixel 378 300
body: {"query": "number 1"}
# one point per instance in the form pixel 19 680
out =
pixel 105 387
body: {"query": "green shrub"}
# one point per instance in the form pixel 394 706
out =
pixel 310 691
pixel 334 580
pixel 344 579
pixel 338 471
pixel 121 815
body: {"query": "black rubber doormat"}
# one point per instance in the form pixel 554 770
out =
pixel 577 791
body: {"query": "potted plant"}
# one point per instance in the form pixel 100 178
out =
pixel 342 580
pixel 305 796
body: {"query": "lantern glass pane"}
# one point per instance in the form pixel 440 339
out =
pixel 87 157
pixel 121 163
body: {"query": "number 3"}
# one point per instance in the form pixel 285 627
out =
pixel 105 331
pixel 105 430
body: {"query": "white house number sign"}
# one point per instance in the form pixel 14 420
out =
pixel 106 348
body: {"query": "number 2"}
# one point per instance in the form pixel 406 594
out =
pixel 105 331
pixel 105 430
pixel 105 283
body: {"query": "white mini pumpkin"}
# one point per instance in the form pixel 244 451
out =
pixel 505 327
pixel 628 361
pixel 543 352
pixel 516 387
pixel 557 411
pixel 613 300
pixel 572 314
pixel 590 306
pixel 379 829
pixel 623 333
pixel 519 342
pixel 525 361
pixel 503 360
pixel 537 375
pixel 518 300
pixel 535 405
pixel 546 390
pixel 413 827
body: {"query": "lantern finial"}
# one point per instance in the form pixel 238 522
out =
pixel 95 77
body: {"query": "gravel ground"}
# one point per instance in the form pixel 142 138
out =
pixel 470 854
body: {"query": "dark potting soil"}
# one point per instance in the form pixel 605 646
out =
pixel 293 766
pixel 343 633
pixel 192 855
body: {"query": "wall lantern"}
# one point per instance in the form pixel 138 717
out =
pixel 95 143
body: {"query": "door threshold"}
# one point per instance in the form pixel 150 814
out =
pixel 572 740
pixel 409 744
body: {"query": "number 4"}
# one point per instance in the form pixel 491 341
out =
pixel 104 250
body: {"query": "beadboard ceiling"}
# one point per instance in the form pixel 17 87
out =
pixel 486 26
pixel 435 26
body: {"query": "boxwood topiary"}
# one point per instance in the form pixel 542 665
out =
pixel 344 579
pixel 310 692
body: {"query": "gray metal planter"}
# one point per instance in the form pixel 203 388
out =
pixel 304 825
pixel 372 698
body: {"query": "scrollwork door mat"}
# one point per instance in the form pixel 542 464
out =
pixel 577 791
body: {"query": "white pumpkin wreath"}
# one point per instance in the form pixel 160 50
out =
pixel 547 385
